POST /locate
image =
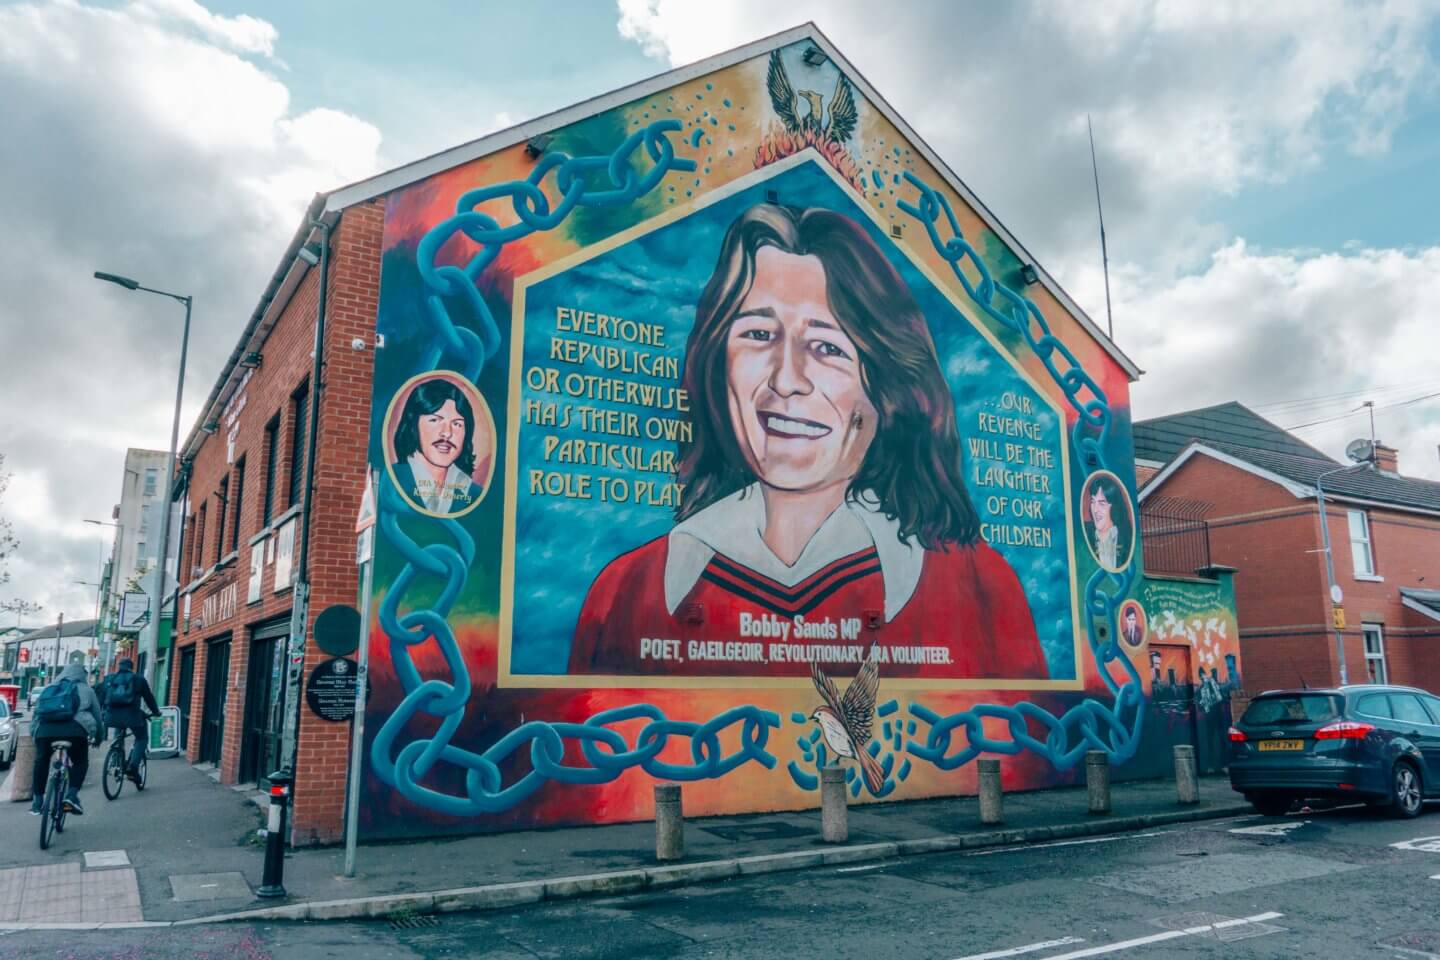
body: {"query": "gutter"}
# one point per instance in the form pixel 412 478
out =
pixel 287 277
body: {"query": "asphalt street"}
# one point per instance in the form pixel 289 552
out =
pixel 1330 884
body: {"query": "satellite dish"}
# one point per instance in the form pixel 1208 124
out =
pixel 1360 451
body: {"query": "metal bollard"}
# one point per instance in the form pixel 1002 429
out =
pixel 669 823
pixel 1097 780
pixel 272 883
pixel 834 809
pixel 22 769
pixel 1187 786
pixel 992 797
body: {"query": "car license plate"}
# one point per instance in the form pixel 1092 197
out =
pixel 1268 745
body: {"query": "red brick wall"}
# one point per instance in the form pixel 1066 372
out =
pixel 341 461
pixel 344 412
pixel 285 366
pixel 1282 593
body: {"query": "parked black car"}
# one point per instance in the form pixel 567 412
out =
pixel 1379 744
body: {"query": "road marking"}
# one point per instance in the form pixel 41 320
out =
pixel 868 866
pixel 1028 948
pixel 1436 877
pixel 1424 844
pixel 1066 843
pixel 1162 937
pixel 1271 829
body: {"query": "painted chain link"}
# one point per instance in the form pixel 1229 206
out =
pixel 608 180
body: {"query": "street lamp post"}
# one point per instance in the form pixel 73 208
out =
pixel 149 640
pixel 95 630
pixel 104 647
pixel 1330 557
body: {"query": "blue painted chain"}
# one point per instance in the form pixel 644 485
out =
pixel 1089 725
pixel 580 181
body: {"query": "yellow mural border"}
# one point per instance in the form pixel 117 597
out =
pixel 505 678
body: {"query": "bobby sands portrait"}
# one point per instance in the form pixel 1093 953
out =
pixel 821 482
pixel 435 448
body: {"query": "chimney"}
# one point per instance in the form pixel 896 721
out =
pixel 1387 458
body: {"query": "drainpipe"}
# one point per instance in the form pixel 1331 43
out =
pixel 296 668
pixel 1330 562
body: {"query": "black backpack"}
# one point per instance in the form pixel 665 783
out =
pixel 121 691
pixel 58 703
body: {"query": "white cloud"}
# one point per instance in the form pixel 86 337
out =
pixel 1280 326
pixel 153 148
pixel 1191 102
pixel 242 34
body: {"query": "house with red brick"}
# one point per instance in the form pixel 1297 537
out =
pixel 252 471
pixel 1252 491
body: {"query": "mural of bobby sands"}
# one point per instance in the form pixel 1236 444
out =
pixel 822 482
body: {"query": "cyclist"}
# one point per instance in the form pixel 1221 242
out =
pixel 124 693
pixel 69 712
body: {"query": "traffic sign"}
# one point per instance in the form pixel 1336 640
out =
pixel 366 518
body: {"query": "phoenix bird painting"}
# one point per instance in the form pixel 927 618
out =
pixel 845 721
pixel 836 128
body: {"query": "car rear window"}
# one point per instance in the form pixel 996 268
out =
pixel 1374 705
pixel 1300 708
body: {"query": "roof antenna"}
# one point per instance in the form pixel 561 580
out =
pixel 1104 255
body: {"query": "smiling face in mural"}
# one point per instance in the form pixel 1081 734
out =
pixel 1100 509
pixel 796 391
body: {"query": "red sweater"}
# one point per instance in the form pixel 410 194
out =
pixel 968 618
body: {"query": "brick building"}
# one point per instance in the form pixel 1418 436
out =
pixel 244 543
pixel 1255 487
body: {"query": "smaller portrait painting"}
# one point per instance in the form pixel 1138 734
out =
pixel 1109 520
pixel 1131 624
pixel 440 444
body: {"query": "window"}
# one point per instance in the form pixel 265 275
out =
pixel 1360 544
pixel 190 555
pixel 300 399
pixel 1374 651
pixel 1376 705
pixel 1433 703
pixel 222 501
pixel 272 454
pixel 1293 708
pixel 200 536
pixel 239 499
pixel 1407 708
pixel 152 481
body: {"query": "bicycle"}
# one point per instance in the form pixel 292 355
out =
pixel 52 809
pixel 112 779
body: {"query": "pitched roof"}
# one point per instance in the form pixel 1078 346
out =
pixel 1360 483
pixel 73 628
pixel 1161 439
pixel 1425 601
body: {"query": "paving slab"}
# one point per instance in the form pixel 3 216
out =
pixel 95 859
pixel 210 886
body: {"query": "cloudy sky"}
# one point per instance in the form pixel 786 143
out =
pixel 1268 176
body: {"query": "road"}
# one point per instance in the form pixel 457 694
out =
pixel 1315 885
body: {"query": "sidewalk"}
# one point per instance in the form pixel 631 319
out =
pixel 195 853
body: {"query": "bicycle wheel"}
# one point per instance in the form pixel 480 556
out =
pixel 47 812
pixel 112 778
pixel 140 773
pixel 62 787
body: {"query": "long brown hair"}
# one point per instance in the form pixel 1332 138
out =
pixel 913 464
